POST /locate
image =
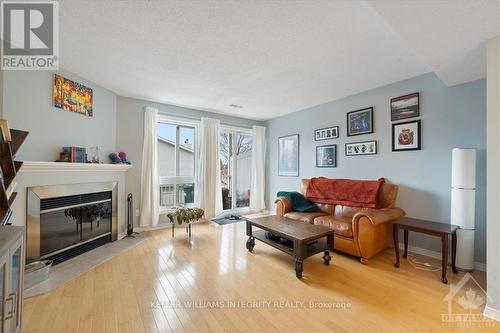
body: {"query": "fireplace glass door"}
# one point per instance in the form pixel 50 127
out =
pixel 95 220
pixel 59 229
pixel 71 224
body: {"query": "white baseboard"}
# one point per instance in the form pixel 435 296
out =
pixel 437 255
pixel 491 313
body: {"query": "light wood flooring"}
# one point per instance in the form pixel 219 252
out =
pixel 137 291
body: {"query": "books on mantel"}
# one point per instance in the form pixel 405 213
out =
pixel 4 130
pixel 73 155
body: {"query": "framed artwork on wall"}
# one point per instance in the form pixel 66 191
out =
pixel 326 133
pixel 360 122
pixel 288 156
pixel 72 96
pixel 361 148
pixel 406 136
pixel 404 107
pixel 326 156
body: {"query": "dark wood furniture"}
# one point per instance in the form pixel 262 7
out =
pixel 442 230
pixel 9 169
pixel 307 239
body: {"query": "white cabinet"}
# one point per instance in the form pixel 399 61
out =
pixel 12 258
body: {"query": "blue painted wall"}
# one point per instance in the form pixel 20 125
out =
pixel 451 117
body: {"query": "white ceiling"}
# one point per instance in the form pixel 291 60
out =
pixel 271 57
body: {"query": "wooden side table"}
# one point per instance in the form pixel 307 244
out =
pixel 442 230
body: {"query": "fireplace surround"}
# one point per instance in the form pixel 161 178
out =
pixel 66 220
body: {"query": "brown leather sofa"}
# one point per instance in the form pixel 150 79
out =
pixel 362 232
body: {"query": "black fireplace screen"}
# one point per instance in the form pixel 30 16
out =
pixel 70 220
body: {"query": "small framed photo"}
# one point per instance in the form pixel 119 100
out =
pixel 360 122
pixel 404 107
pixel 406 136
pixel 326 156
pixel 288 156
pixel 361 148
pixel 326 133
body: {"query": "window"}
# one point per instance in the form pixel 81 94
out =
pixel 235 153
pixel 176 162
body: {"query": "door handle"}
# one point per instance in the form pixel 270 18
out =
pixel 12 310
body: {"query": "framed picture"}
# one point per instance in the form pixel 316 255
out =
pixel 326 133
pixel 406 136
pixel 360 122
pixel 404 107
pixel 72 96
pixel 326 156
pixel 288 156
pixel 361 148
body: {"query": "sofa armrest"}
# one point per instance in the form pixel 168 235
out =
pixel 283 206
pixel 378 216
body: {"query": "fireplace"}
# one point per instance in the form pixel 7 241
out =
pixel 64 221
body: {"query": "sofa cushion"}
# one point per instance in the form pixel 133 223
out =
pixel 341 225
pixel 326 208
pixel 347 212
pixel 304 216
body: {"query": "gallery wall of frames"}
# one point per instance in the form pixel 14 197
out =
pixel 406 136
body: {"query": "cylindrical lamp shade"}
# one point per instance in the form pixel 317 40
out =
pixel 465 249
pixel 463 208
pixel 463 168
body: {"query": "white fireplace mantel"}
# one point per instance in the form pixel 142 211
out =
pixel 36 166
pixel 35 173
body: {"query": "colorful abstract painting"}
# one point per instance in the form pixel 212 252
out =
pixel 72 96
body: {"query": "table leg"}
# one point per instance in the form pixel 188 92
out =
pixel 329 242
pixel 454 252
pixel 298 267
pixel 249 229
pixel 444 243
pixel 405 233
pixel 395 231
pixel 172 229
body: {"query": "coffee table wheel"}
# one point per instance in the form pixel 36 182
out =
pixel 298 268
pixel 327 257
pixel 250 243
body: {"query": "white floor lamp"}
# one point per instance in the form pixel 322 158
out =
pixel 463 202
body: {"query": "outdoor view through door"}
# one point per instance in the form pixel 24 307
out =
pixel 235 153
pixel 176 163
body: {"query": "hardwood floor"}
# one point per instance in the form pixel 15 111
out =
pixel 136 291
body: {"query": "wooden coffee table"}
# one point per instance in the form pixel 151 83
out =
pixel 308 239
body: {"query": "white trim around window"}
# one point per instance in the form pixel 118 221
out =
pixel 176 180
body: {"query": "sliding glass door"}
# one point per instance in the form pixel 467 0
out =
pixel 235 153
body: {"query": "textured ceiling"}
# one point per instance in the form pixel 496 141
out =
pixel 271 57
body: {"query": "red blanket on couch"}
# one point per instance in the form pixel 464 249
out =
pixel 348 192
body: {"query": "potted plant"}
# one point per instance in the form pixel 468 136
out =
pixel 185 216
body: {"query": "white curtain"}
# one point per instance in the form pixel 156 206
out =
pixel 258 166
pixel 149 179
pixel 209 194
